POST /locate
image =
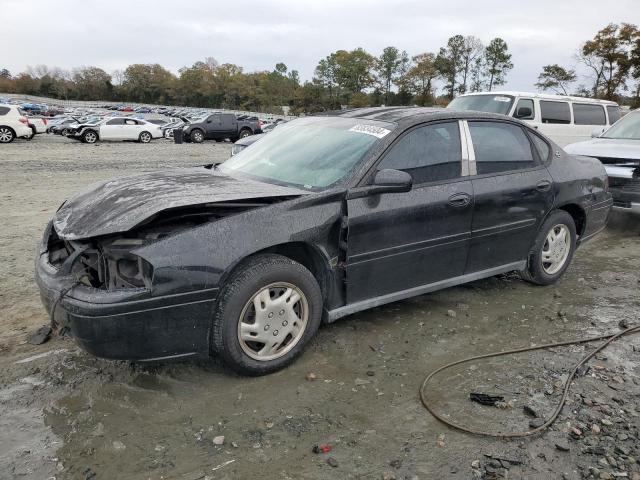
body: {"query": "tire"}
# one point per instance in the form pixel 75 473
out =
pixel 245 132
pixel 298 324
pixel 197 136
pixel 64 132
pixel 546 263
pixel 89 136
pixel 145 137
pixel 7 135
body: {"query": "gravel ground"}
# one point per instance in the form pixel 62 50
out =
pixel 68 415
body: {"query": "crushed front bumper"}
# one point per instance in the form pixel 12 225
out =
pixel 128 324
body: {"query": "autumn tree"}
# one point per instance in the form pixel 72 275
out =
pixel 420 77
pixel 555 78
pixel 609 58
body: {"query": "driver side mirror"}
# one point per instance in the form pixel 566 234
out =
pixel 523 112
pixel 385 181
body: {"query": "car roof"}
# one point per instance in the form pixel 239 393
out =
pixel 411 114
pixel 544 96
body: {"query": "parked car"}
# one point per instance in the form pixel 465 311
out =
pixel 618 149
pixel 37 124
pixel 62 127
pixel 564 119
pixel 322 218
pixel 13 124
pixel 243 143
pixel 114 129
pixel 219 126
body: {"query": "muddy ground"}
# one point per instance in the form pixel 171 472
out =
pixel 67 415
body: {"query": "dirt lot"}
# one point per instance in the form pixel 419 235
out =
pixel 68 415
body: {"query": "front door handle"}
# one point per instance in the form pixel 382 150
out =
pixel 543 186
pixel 459 199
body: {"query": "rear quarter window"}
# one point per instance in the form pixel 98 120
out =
pixel 4 110
pixel 588 114
pixel 555 112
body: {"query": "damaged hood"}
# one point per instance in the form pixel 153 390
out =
pixel 121 204
pixel 607 148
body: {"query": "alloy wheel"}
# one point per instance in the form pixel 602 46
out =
pixel 273 321
pixel 6 135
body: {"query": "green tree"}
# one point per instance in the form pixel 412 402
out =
pixel 472 49
pixel 92 83
pixel 497 62
pixel 555 78
pixel 148 83
pixel 387 66
pixel 449 63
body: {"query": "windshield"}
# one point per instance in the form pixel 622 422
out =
pixel 483 103
pixel 312 152
pixel 627 128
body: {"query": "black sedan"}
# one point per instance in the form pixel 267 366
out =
pixel 325 216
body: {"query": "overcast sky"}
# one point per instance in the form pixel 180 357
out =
pixel 257 34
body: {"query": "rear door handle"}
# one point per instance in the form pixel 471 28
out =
pixel 543 186
pixel 459 199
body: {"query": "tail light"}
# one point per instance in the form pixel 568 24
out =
pixel 606 183
pixel 23 120
pixel 260 124
pixel 45 122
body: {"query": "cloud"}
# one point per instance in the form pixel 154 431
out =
pixel 256 35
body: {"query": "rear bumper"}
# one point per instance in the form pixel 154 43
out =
pixel 23 130
pixel 128 324
pixel 630 207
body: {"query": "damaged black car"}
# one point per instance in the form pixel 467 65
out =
pixel 324 217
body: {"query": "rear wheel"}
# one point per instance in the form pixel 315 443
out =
pixel 145 137
pixel 245 132
pixel 267 312
pixel 65 132
pixel 552 250
pixel 7 135
pixel 89 136
pixel 197 136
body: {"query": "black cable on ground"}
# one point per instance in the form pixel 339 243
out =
pixel 609 338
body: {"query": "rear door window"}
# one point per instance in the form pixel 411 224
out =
pixel 555 112
pixel 614 114
pixel 500 147
pixel 584 114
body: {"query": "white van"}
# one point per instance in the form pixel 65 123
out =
pixel 562 118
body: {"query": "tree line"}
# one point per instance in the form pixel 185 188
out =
pixel 354 78
pixel 612 59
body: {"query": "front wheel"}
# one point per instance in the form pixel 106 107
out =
pixel 89 136
pixel 197 136
pixel 267 312
pixel 552 250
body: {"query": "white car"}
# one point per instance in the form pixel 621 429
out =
pixel 116 129
pixel 562 118
pixel 13 123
